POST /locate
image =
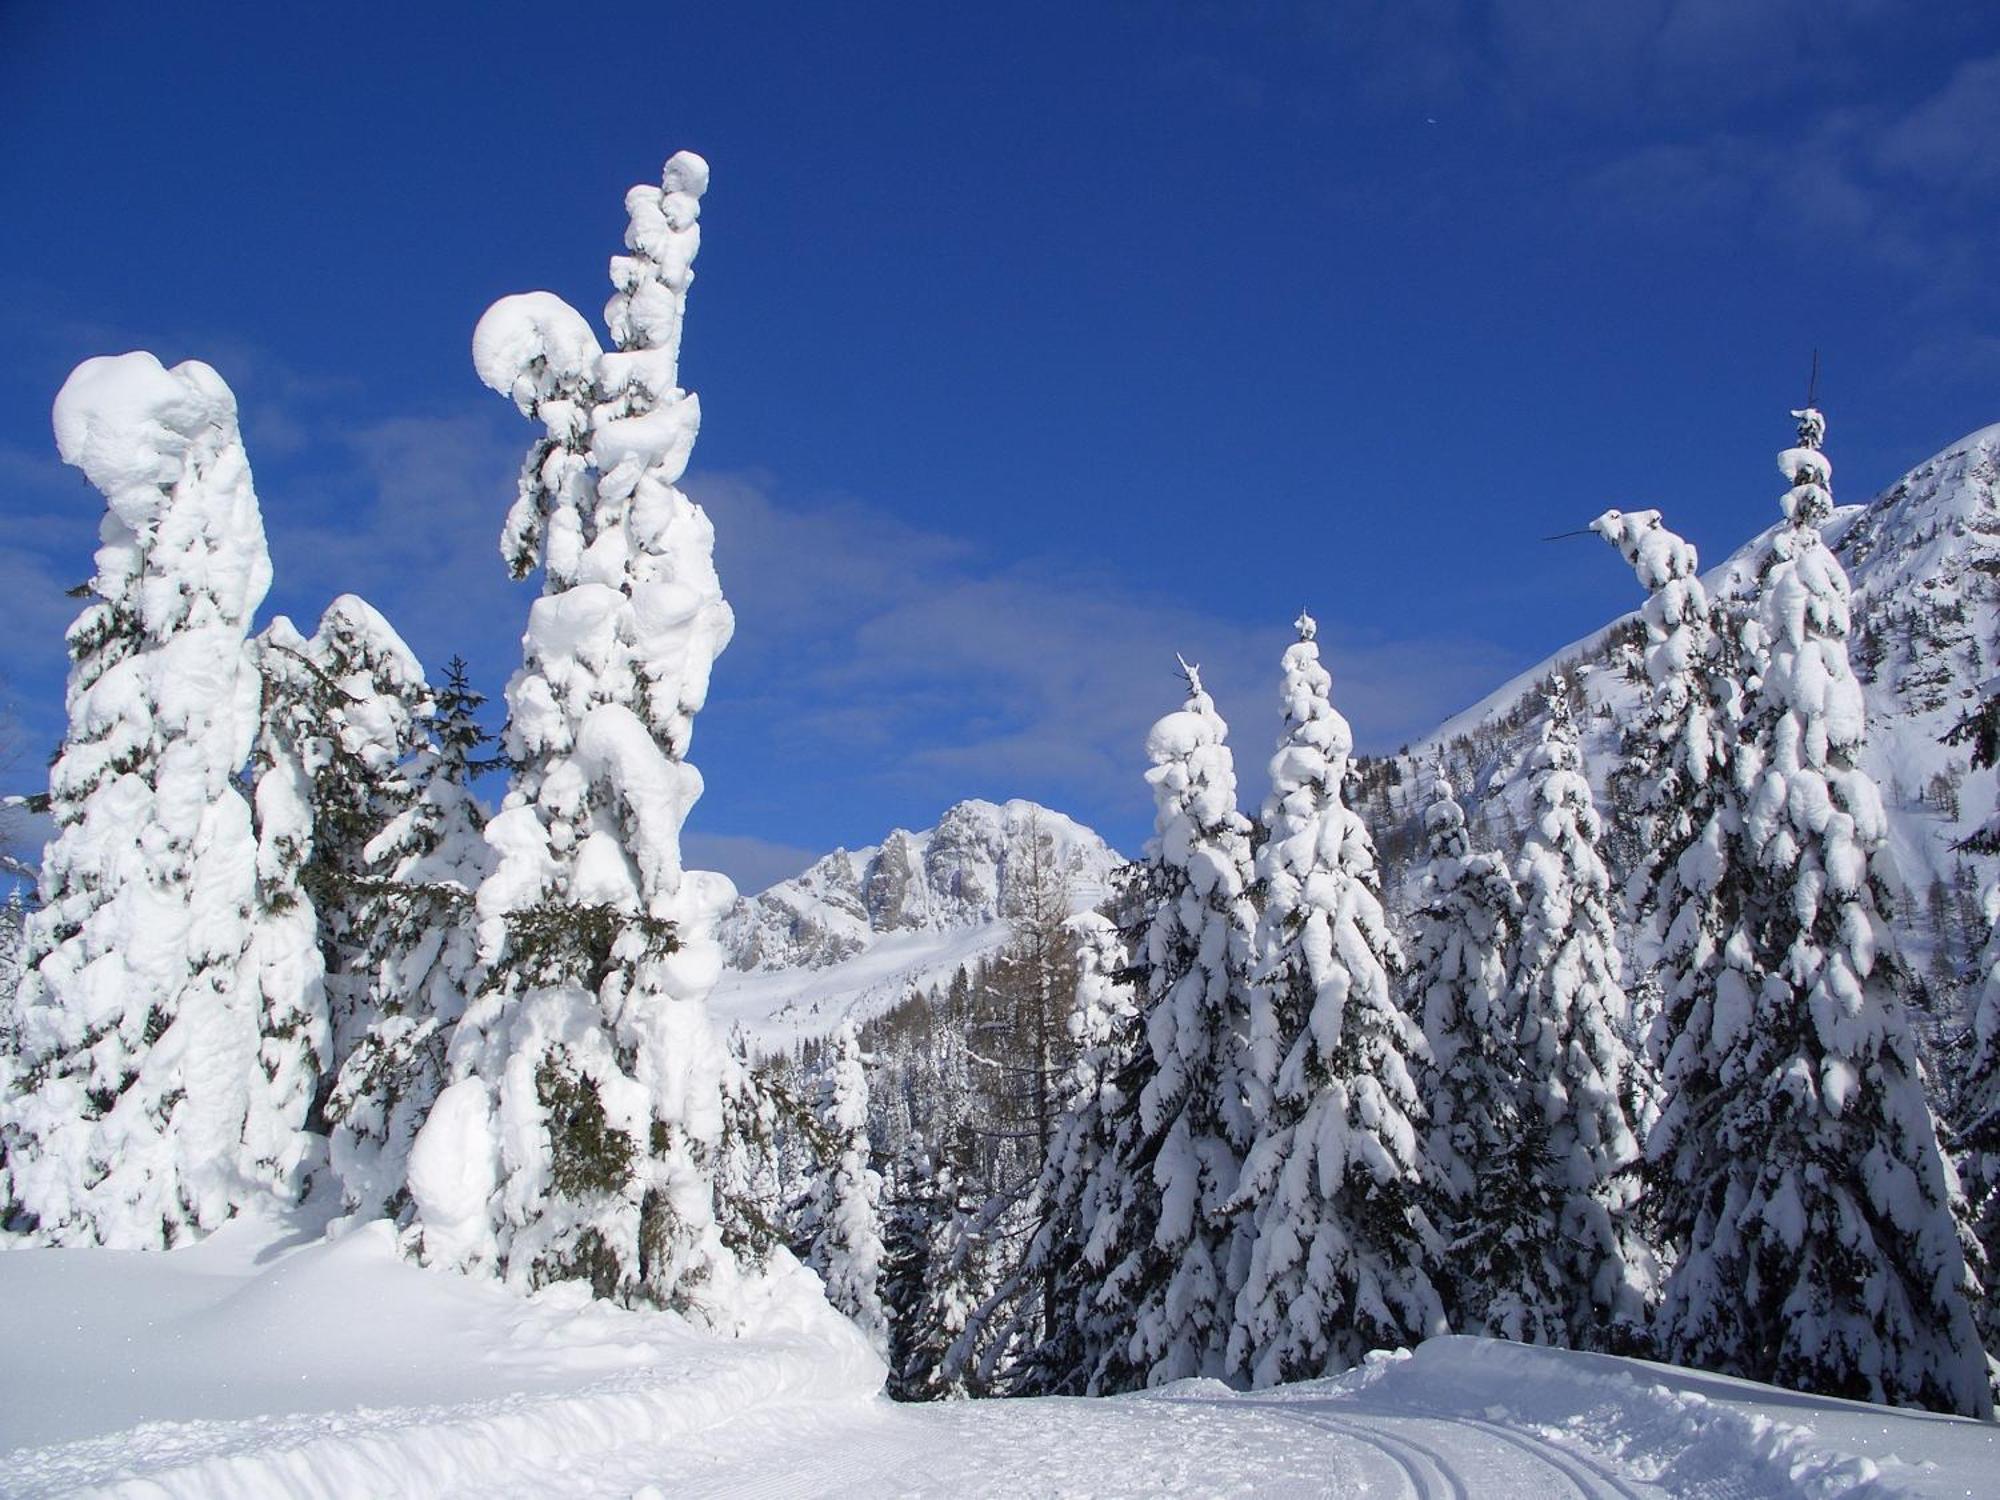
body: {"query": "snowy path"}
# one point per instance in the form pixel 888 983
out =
pixel 1169 1444
pixel 269 1362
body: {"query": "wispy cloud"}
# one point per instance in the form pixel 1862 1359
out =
pixel 937 672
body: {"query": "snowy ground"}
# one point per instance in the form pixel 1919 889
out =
pixel 271 1362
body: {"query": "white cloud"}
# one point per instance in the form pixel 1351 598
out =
pixel 941 673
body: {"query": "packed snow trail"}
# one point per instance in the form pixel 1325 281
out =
pixel 271 1361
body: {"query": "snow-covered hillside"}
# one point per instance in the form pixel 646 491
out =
pixel 853 934
pixel 1924 561
pixel 271 1362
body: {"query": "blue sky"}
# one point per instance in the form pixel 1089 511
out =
pixel 1035 342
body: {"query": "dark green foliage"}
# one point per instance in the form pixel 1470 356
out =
pixel 558 943
pixel 588 1157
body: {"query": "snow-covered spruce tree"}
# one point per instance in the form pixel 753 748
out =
pixel 913 1208
pixel 1497 1275
pixel 419 954
pixel 339 720
pixel 1584 1085
pixel 930 1360
pixel 591 1099
pixel 1333 1188
pixel 1172 1251
pixel 1057 1258
pixel 843 1222
pixel 1674 756
pixel 1803 1187
pixel 138 1017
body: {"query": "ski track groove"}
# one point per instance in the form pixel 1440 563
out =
pixel 1604 1481
pixel 1400 1449
pixel 1588 1477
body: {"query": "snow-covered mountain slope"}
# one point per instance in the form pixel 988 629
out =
pixel 271 1362
pixel 855 932
pixel 1924 561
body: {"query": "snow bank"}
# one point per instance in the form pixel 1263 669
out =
pixel 269 1361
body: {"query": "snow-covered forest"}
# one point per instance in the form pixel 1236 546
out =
pixel 1625 1016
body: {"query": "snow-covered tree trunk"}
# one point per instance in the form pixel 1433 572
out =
pixel 1799 1172
pixel 844 1222
pixel 1584 1085
pixel 1497 1270
pixel 581 1133
pixel 1333 1186
pixel 138 1021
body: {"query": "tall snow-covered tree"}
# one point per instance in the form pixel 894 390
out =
pixel 591 1097
pixel 1177 1260
pixel 1333 1187
pixel 1497 1273
pixel 1585 1087
pixel 1164 1253
pixel 1798 1170
pixel 138 1019
pixel 844 1220
pixel 419 954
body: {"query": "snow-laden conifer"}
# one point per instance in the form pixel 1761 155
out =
pixel 291 973
pixel 1065 1219
pixel 1163 1254
pixel 911 1200
pixel 418 951
pixel 591 1096
pixel 942 1274
pixel 1801 1179
pixel 1497 1275
pixel 843 1221
pixel 1584 1086
pixel 1333 1187
pixel 138 1019
pixel 1171 1248
pixel 339 723
pixel 1675 753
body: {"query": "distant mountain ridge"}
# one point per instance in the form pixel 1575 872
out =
pixel 955 875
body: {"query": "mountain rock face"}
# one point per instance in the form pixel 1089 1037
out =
pixel 1924 562
pixel 955 876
